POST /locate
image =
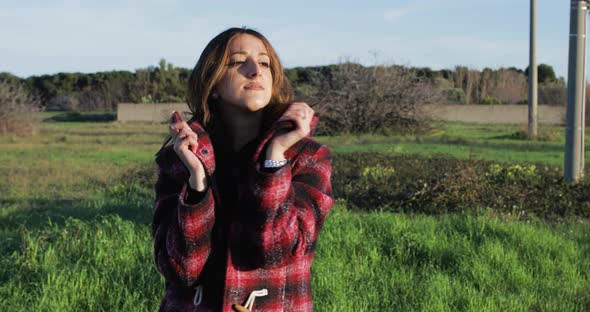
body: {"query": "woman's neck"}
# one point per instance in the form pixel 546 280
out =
pixel 242 127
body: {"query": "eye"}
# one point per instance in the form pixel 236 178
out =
pixel 265 64
pixel 233 63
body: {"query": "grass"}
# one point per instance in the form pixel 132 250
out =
pixel 388 262
pixel 502 143
pixel 73 160
pixel 383 261
pixel 74 231
pixel 101 265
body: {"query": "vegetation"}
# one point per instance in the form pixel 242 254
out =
pixel 17 109
pixel 441 185
pixel 352 98
pixel 76 207
pixel 103 90
pixel 545 73
pixel 396 262
pixel 356 99
pixel 383 262
pixel 167 83
pixel 499 143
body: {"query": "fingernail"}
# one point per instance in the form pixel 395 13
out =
pixel 176 117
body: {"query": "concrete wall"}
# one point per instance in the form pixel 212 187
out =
pixel 517 114
pixel 159 112
pixel 467 113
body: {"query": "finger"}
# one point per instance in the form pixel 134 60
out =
pixel 304 121
pixel 301 106
pixel 178 125
pixel 299 121
pixel 193 143
pixel 173 132
pixel 184 144
pixel 302 114
pixel 296 108
pixel 175 118
pixel 290 115
pixel 182 133
pixel 309 115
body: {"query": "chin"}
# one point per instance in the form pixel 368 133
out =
pixel 255 106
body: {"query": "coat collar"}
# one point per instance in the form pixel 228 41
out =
pixel 171 164
pixel 279 127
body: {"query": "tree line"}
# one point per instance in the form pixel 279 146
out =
pixel 167 83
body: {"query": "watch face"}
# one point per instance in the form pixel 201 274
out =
pixel 274 164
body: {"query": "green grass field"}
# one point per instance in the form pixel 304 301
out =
pixel 502 143
pixel 75 231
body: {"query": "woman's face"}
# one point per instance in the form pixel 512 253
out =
pixel 247 82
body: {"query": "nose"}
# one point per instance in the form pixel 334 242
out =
pixel 254 69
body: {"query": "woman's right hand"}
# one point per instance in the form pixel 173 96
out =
pixel 185 146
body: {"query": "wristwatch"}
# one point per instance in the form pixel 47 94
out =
pixel 269 163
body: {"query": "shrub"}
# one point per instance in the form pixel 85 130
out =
pixel 454 95
pixel 377 172
pixel 513 173
pixel 554 93
pixel 438 184
pixel 490 100
pixel 352 98
pixel 83 117
pixel 17 108
pixel 63 103
pixel 544 134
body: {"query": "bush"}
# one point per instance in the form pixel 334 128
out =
pixel 454 96
pixel 490 100
pixel 554 93
pixel 83 117
pixel 17 108
pixel 352 98
pixel 437 185
pixel 546 135
pixel 63 103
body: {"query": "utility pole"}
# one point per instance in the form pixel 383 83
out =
pixel 533 110
pixel 574 131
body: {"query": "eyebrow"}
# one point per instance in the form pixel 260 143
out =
pixel 245 53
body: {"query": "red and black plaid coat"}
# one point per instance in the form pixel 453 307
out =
pixel 252 228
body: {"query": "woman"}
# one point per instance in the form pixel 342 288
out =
pixel 243 192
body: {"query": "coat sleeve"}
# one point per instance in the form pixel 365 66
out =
pixel 291 205
pixel 181 230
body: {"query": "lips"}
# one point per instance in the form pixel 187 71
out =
pixel 254 86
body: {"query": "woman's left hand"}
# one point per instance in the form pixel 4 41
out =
pixel 301 114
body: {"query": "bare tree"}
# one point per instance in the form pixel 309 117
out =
pixel 554 93
pixel 504 85
pixel 17 109
pixel 508 86
pixel 353 98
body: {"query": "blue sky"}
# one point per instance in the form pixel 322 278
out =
pixel 46 37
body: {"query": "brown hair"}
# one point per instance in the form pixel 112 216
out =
pixel 210 69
